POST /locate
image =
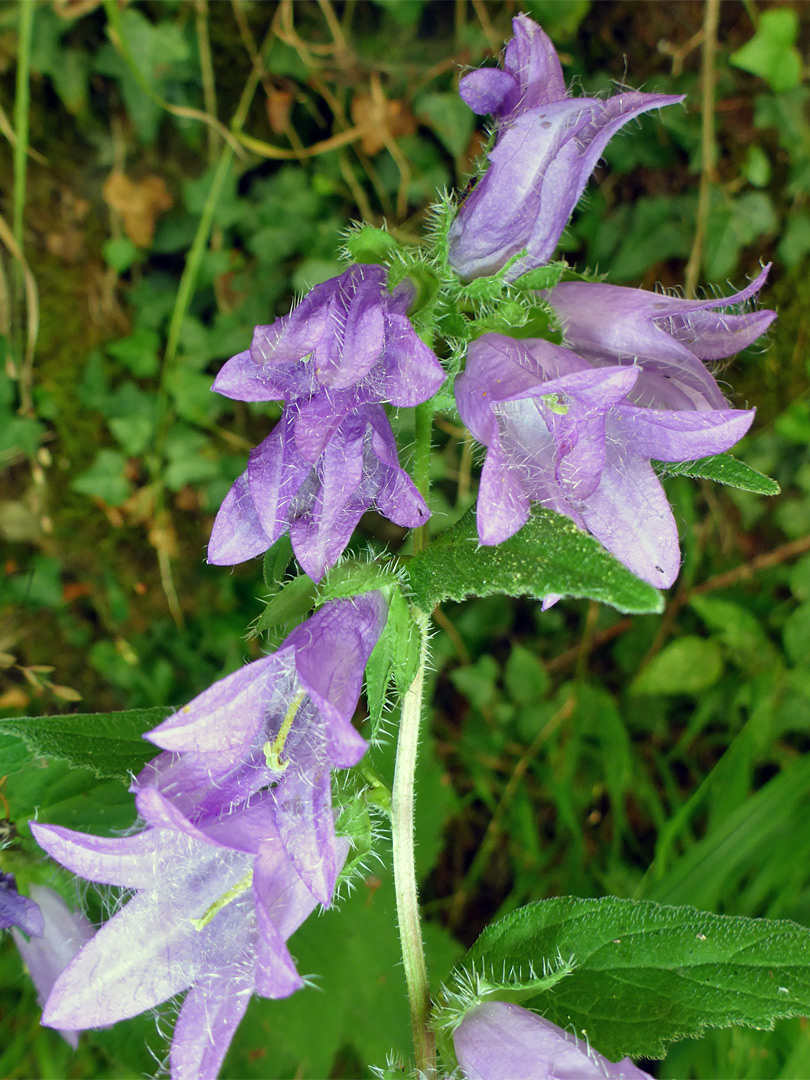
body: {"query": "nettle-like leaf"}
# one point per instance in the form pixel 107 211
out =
pixel 111 744
pixel 723 469
pixel 549 555
pixel 644 974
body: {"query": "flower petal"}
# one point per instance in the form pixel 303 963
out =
pixel 630 515
pixel 237 534
pixel 499 1041
pixel 275 474
pixel 208 1020
pixel 226 716
pixel 137 960
pixel 412 371
pixel 664 435
pixel 306 825
pixel 128 861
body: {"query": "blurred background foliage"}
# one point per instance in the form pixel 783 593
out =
pixel 183 170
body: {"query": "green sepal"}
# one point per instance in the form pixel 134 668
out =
pixel 395 656
pixel 723 469
pixel 543 277
pixel 368 244
pixel 290 604
pixel 276 561
pixel 354 577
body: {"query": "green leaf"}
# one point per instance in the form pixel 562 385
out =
pixel 646 975
pixel 734 223
pixel 353 578
pixel 477 681
pixel 138 352
pixel 291 603
pixel 120 254
pixel 406 12
pixel 404 642
pixel 723 469
pixel 111 744
pixel 58 792
pixel 771 53
pixel 276 560
pixel 20 434
pixel 549 555
pixel 104 479
pixel 369 245
pixel 689 665
pixel 525 678
pixel 449 117
pixel 134 433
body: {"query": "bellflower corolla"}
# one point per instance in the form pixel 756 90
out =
pixel 16 910
pixel 547 147
pixel 319 500
pixel 283 720
pixel 215 903
pixel 564 434
pixel 666 336
pixel 347 347
pixel 46 957
pixel 498 1041
pixel 356 335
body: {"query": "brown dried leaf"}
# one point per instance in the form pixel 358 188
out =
pixel 279 104
pixel 139 202
pixel 74 9
pixel 14 698
pixel 65 693
pixel 381 120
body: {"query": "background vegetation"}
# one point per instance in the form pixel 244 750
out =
pixel 177 173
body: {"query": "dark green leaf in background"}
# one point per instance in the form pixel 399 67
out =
pixel 771 53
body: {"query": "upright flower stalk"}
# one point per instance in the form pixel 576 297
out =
pixel 402 826
pixel 240 834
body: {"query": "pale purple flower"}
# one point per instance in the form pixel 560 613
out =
pixel 348 334
pixel 319 501
pixel 666 336
pixel 284 720
pixel 499 1041
pixel 16 910
pixel 215 902
pixel 547 147
pixel 46 956
pixel 565 435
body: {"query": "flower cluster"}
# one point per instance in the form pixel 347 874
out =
pixel 345 349
pixel 567 435
pixel 237 847
pixel 236 841
pixel 575 427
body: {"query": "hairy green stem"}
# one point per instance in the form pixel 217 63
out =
pixel 402 817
